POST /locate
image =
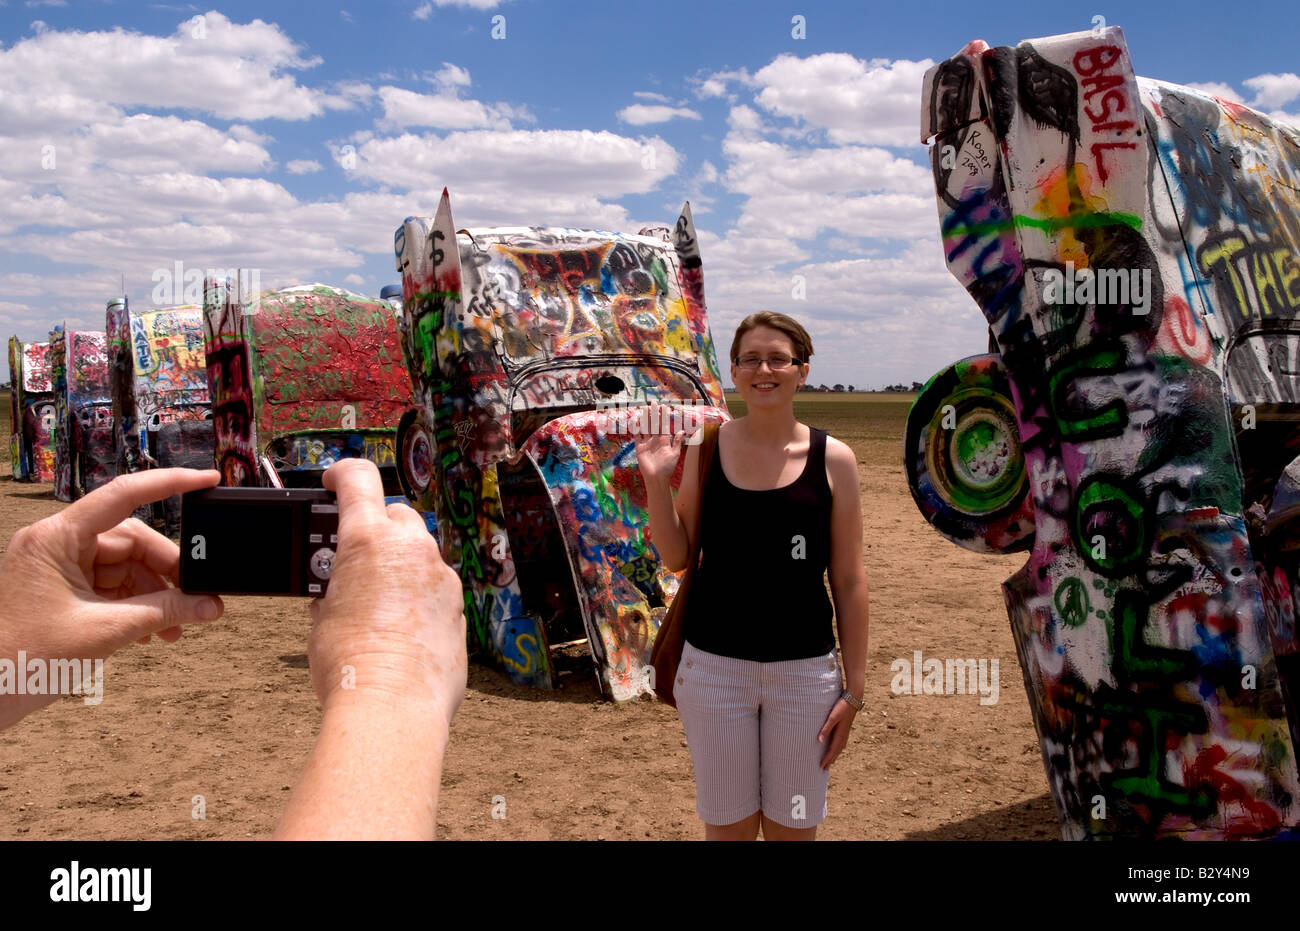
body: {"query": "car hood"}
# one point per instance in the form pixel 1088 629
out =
pixel 588 462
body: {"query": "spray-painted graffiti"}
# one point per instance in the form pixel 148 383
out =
pixel 1133 247
pixel 158 374
pixel 600 500
pixel 121 377
pixel 321 450
pixel 83 413
pixel 36 368
pixel 31 401
pixel 328 358
pixel 512 339
pixel 17 452
pixel 38 423
pixel 230 384
pixel 59 436
pixel 973 487
pixel 303 377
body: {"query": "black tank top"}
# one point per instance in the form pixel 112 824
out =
pixel 758 593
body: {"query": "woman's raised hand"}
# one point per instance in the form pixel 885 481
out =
pixel 657 453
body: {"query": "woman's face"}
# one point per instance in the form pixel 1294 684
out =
pixel 763 386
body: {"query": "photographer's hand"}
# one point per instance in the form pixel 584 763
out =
pixel 388 661
pixel 91 579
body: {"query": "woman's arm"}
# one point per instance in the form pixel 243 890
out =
pixel 848 578
pixel 669 519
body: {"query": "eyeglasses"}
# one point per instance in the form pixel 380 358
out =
pixel 774 363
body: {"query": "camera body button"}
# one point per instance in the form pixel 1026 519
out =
pixel 322 562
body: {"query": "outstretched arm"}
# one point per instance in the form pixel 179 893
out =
pixel 388 661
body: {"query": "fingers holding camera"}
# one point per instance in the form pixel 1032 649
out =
pixel 131 559
pixel 105 625
pixel 130 547
pixel 407 517
pixel 111 504
pixel 391 626
pixel 360 493
pixel 447 616
pixel 127 579
pixel 100 576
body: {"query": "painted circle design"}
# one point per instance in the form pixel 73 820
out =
pixel 1110 526
pixel 984 454
pixel 418 456
pixel 965 466
pixel 976 464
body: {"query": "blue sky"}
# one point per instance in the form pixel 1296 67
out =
pixel 294 137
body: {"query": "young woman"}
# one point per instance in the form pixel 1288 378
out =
pixel 759 689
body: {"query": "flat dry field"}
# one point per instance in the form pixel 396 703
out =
pixel 228 713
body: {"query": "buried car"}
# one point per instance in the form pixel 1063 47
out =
pixel 1134 248
pixel 300 378
pixel 31 410
pixel 161 414
pixel 533 353
pixel 84 457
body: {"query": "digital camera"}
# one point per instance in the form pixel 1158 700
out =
pixel 258 541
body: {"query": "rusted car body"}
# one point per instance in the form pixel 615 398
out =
pixel 532 352
pixel 31 409
pixel 1133 246
pixel 84 457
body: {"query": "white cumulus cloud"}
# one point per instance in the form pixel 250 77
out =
pixel 1273 90
pixel 640 114
pixel 875 102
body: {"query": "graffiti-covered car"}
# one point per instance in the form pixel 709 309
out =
pixel 533 352
pixel 31 409
pixel 300 378
pixel 84 457
pixel 1133 246
pixel 161 412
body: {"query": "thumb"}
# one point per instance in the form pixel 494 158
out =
pixel 829 726
pixel 130 619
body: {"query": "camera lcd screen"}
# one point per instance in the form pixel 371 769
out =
pixel 245 547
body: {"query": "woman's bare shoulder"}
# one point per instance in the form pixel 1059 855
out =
pixel 841 464
pixel 839 451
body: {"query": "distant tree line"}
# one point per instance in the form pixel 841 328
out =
pixel 916 386
pixel 845 389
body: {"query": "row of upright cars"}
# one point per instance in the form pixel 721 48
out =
pixel 89 405
pixel 481 393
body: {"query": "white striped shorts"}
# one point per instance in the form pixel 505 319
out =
pixel 752 730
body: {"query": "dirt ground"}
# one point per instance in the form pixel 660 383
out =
pixel 228 713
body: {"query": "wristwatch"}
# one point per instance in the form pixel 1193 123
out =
pixel 854 703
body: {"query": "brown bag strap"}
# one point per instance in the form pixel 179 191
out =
pixel 708 449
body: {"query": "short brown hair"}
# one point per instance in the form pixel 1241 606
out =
pixel 791 327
